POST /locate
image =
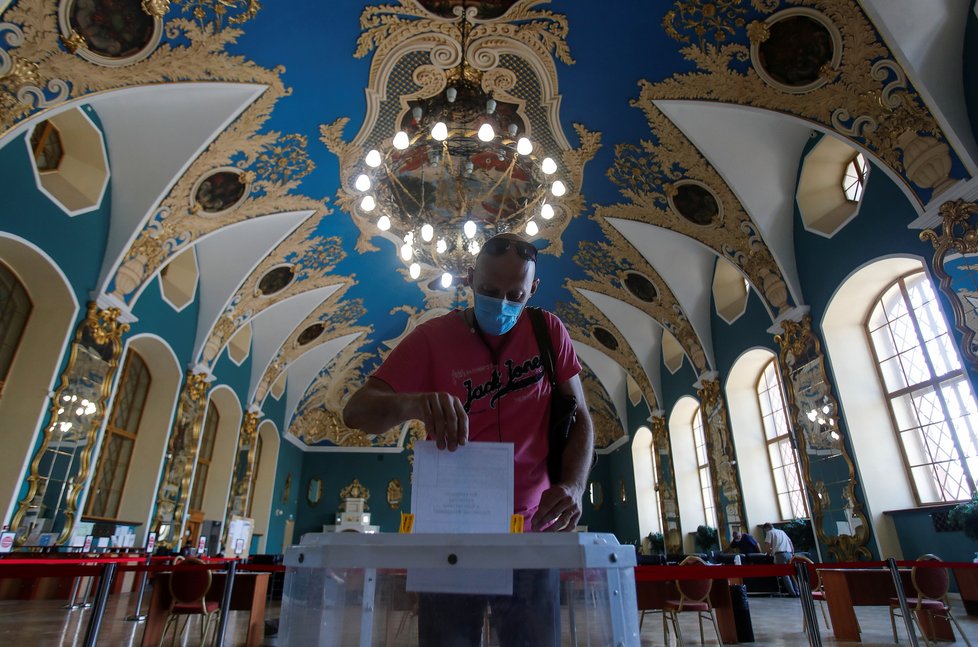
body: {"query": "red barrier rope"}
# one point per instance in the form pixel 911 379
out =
pixel 700 572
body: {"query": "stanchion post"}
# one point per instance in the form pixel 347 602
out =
pixel 74 593
pixel 808 604
pixel 95 621
pixel 226 603
pixel 137 616
pixel 902 597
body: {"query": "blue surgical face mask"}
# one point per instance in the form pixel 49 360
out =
pixel 496 316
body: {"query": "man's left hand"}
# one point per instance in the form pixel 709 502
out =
pixel 559 509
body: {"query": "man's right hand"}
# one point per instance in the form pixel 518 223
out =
pixel 444 418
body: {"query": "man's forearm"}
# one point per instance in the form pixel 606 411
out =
pixel 576 461
pixel 375 408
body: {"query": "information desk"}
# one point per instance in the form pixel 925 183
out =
pixel 846 588
pixel 652 596
pixel 247 594
pixel 345 589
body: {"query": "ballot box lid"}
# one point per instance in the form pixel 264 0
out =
pixel 569 550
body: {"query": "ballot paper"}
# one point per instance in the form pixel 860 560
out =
pixel 469 490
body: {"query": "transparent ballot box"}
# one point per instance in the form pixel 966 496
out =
pixel 349 589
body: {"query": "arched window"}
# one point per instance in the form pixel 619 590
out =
pixel 703 468
pixel 780 450
pixel 208 434
pixel 15 308
pixel 931 399
pixel 119 440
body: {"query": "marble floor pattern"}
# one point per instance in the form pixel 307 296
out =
pixel 776 623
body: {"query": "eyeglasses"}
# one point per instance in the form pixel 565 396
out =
pixel 499 246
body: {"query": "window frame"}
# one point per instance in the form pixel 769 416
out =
pixel 201 481
pixel 699 429
pixel 20 288
pixel 112 430
pixel 933 382
pixel 778 387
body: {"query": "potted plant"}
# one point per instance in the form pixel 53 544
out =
pixel 706 539
pixel 965 516
pixel 657 543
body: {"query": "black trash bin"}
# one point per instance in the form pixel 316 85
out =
pixel 741 613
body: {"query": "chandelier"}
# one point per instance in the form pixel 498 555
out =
pixel 459 170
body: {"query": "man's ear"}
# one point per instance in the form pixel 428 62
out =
pixel 533 287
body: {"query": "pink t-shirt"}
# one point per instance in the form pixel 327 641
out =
pixel 504 389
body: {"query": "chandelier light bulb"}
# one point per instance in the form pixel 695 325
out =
pixel 383 223
pixel 486 133
pixel 368 203
pixel 451 93
pixel 524 146
pixel 441 246
pixel 416 112
pixel 469 167
pixel 469 229
pixel 446 280
pixel 401 140
pixel 362 183
pixel 407 251
pixel 474 248
pixel 512 129
pixel 439 131
pixel 548 166
pixel 490 106
pixel 558 188
pixel 415 270
pixel 373 158
pixel 532 229
pixel 427 233
pixel 546 211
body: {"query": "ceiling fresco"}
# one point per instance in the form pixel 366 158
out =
pixel 235 129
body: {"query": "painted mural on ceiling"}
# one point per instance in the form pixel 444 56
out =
pixel 264 196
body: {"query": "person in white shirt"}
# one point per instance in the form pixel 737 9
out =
pixel 779 545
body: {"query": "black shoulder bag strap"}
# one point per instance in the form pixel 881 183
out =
pixel 563 408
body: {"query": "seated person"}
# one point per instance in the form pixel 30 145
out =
pixel 744 543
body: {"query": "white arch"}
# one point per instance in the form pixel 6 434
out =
pixel 217 490
pixel 146 463
pixel 646 501
pixel 885 484
pixel 261 506
pixel 747 427
pixel 36 366
pixel 684 467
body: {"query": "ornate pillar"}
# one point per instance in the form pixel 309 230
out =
pixel 181 456
pixel 244 465
pixel 723 460
pixel 665 486
pixel 827 467
pixel 60 468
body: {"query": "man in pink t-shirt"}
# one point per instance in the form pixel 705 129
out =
pixel 477 375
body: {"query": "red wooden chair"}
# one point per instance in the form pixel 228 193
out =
pixel 694 595
pixel 814 584
pixel 931 586
pixel 188 596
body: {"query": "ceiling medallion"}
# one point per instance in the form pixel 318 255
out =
pixel 459 170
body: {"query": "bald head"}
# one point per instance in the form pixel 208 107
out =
pixel 505 269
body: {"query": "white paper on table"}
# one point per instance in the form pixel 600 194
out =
pixel 469 490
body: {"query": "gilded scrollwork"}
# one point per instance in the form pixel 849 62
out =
pixel 336 316
pixel 723 459
pixel 955 263
pixel 608 263
pixel 866 98
pixel 355 491
pixel 76 414
pixel 174 489
pixel 826 466
pixel 648 176
pixel 242 477
pixel 604 415
pixel 582 318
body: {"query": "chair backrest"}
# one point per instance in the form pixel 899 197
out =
pixel 695 590
pixel 188 586
pixel 814 583
pixel 930 582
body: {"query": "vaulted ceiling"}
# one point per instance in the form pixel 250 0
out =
pixel 232 128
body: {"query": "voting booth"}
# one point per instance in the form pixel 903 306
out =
pixel 361 590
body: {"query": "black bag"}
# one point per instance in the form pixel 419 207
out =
pixel 563 408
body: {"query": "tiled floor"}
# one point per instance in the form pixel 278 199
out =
pixel 776 623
